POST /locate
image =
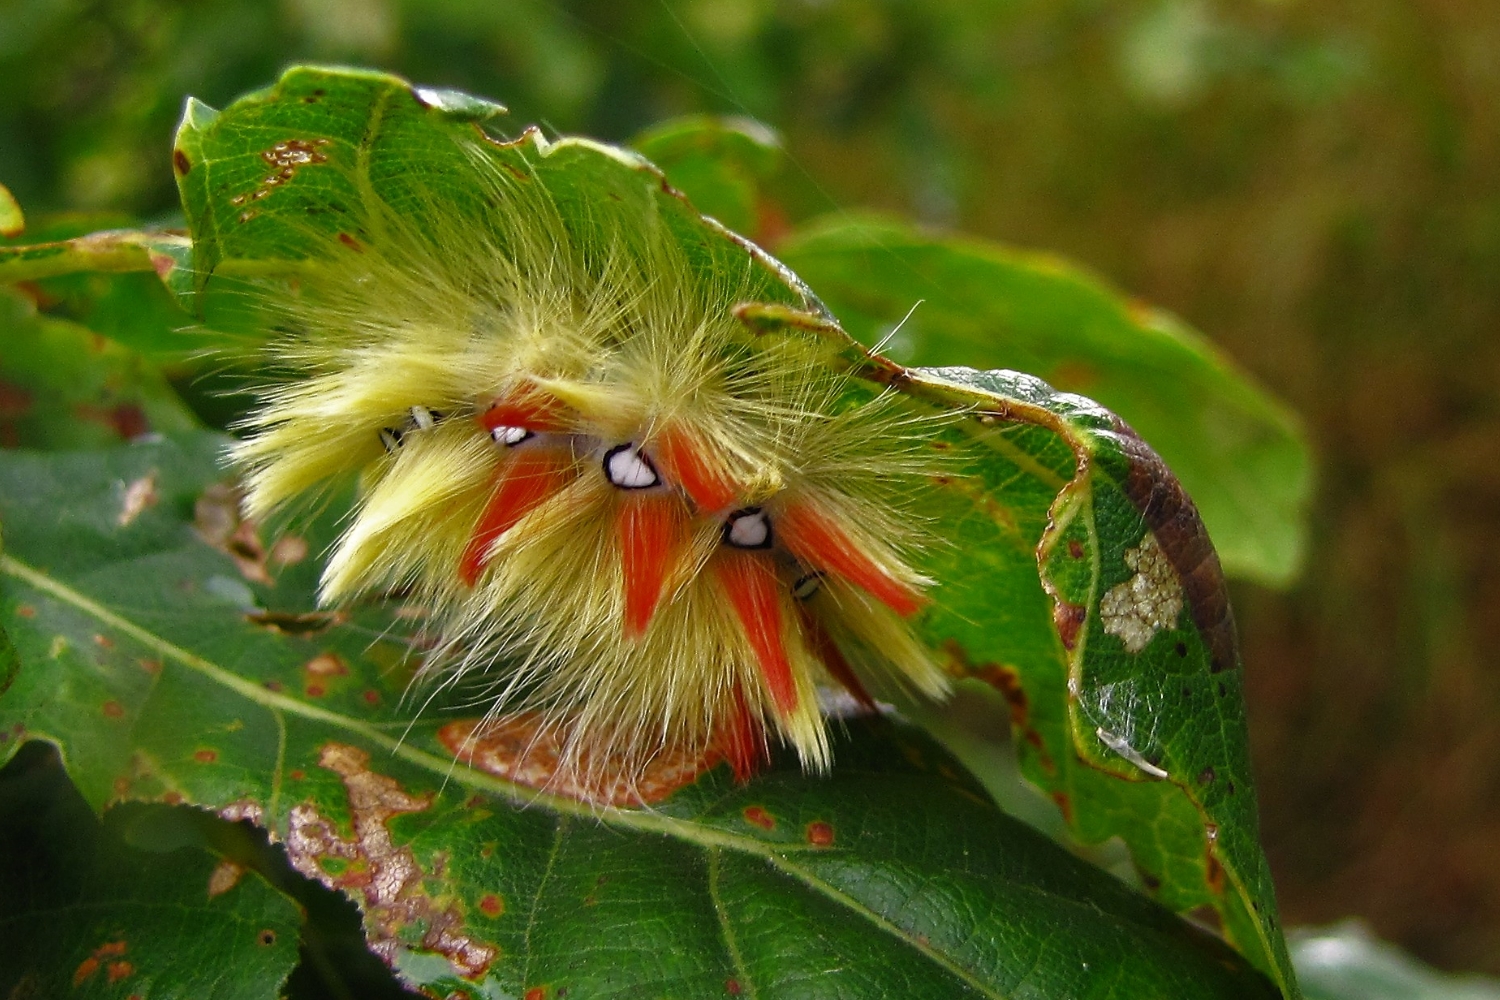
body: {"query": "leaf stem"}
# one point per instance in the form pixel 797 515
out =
pixel 109 251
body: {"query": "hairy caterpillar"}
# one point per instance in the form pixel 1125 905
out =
pixel 656 527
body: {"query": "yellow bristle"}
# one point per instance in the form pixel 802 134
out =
pixel 405 346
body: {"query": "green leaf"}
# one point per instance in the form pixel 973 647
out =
pixel 113 250
pixel 12 221
pixel 87 915
pixel 1346 962
pixel 1239 452
pixel 721 164
pixel 1124 681
pixel 168 669
pixel 65 386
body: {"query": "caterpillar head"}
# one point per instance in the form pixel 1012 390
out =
pixel 629 514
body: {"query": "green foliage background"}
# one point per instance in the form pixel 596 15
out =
pixel 1310 180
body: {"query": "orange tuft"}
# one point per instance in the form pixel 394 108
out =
pixel 755 594
pixel 822 544
pixel 530 477
pixel 687 463
pixel 651 534
pixel 742 742
pixel 531 410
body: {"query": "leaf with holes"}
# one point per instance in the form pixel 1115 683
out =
pixel 1118 658
pixel 169 665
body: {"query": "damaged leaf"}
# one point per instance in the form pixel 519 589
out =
pixel 949 300
pixel 89 915
pixel 64 386
pixel 896 873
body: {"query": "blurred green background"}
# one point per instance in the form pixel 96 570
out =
pixel 1314 183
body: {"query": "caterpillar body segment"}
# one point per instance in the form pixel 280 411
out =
pixel 628 512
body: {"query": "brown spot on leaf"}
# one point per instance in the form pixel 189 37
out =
pixel 205 756
pixel 371 696
pixel 315 690
pixel 326 665
pixel 113 709
pixel 266 938
pixel 352 243
pixel 1214 873
pixel 1206 776
pixel 284 160
pixel 288 550
pixel 104 641
pixel 1075 549
pixel 1068 619
pixel 758 816
pixel 216 518
pixel 820 834
pixel 491 905
pixel 127 420
pixel 180 162
pixel 117 970
pixel 1065 805
pixel 390 879
pixel 1007 680
pixel 139 495
pixel 172 797
pixel 150 666
pixel 299 623
pixel 25 611
pixel 537 993
pixel 732 987
pixel 85 970
pixel 522 748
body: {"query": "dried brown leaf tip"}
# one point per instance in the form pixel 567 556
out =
pixel 387 878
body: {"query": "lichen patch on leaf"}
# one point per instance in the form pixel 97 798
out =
pixel 1148 602
pixel 521 749
pixel 388 877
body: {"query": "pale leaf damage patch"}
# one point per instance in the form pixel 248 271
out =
pixel 388 877
pixel 1148 602
pixel 139 495
pixel 217 520
pixel 225 876
pixel 522 749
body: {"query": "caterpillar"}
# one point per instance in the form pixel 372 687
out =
pixel 627 512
